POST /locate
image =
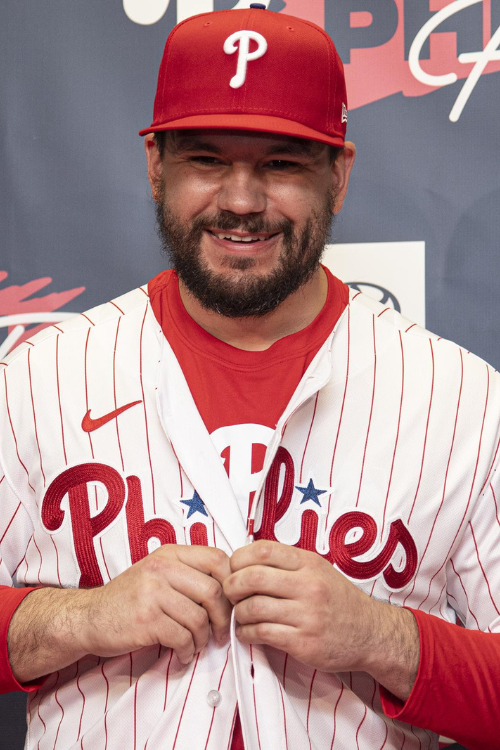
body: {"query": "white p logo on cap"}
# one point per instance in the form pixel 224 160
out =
pixel 244 54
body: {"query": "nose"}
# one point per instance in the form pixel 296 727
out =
pixel 242 191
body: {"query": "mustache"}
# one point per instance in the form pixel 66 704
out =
pixel 227 221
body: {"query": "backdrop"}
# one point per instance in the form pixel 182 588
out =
pixel 421 224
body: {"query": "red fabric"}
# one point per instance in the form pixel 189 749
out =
pixel 456 689
pixel 281 92
pixel 231 386
pixel 11 599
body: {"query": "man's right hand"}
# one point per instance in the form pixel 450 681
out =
pixel 172 597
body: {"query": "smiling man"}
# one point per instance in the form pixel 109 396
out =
pixel 244 507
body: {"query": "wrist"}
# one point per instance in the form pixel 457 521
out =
pixel 393 654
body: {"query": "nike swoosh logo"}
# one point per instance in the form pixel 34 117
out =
pixel 89 424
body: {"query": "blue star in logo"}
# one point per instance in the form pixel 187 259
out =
pixel 310 493
pixel 195 505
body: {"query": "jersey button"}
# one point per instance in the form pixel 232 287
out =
pixel 214 698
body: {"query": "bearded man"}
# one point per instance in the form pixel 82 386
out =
pixel 246 505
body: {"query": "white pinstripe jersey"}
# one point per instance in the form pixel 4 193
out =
pixel 397 429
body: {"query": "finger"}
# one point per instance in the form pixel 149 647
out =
pixel 281 637
pixel 179 639
pixel 188 615
pixel 260 579
pixel 258 608
pixel 206 591
pixel 272 554
pixel 209 560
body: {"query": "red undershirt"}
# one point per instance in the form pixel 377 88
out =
pixel 456 690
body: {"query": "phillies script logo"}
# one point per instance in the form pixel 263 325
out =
pixel 87 527
pixel 19 309
pixel 411 47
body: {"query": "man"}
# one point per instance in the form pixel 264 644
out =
pixel 216 489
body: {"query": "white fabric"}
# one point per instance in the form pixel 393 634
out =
pixel 389 422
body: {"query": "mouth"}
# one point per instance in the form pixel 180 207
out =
pixel 241 238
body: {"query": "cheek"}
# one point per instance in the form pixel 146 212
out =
pixel 190 196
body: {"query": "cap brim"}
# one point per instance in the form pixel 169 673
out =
pixel 259 123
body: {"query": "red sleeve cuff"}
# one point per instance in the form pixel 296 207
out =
pixel 456 690
pixel 10 599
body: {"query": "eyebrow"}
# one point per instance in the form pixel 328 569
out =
pixel 291 148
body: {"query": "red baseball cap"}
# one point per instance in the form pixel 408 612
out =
pixel 251 69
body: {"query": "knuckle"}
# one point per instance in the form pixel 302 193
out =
pixel 263 550
pixel 255 607
pixel 199 618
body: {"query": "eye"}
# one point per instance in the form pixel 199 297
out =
pixel 207 161
pixel 281 165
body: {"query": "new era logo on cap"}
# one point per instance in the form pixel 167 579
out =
pixel 251 69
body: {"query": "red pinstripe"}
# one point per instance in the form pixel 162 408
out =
pixel 438 599
pixel 232 728
pixel 59 399
pixel 426 432
pixel 416 736
pixel 371 412
pixel 83 704
pixel 135 714
pixel 385 738
pixel 118 308
pixel 62 712
pixel 57 559
pixel 218 688
pixel 494 500
pixel 34 417
pixel 166 680
pixel 397 434
pixel 29 342
pixel 344 396
pixel 144 292
pixel 465 592
pixel 40 566
pixel 335 714
pixel 254 700
pixel 445 481
pixel 482 569
pixel 114 391
pixel 11 520
pixel 284 670
pixel 309 707
pixel 145 412
pixel 383 311
pixel 58 329
pixel 472 483
pixel 308 436
pixel 22 560
pixel 410 327
pixel 105 708
pixel 284 714
pixel 12 429
pixel 185 701
pixel 131 667
pixel 359 728
pixel 87 318
pixel 44 725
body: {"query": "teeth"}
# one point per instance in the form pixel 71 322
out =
pixel 235 238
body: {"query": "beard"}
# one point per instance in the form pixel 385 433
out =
pixel 244 293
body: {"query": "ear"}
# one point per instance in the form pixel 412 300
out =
pixel 341 170
pixel 155 165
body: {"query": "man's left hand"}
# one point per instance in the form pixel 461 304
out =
pixel 296 601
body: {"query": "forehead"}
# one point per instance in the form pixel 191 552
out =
pixel 219 141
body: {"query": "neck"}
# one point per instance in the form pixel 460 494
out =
pixel 259 333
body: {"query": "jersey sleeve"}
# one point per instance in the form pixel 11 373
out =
pixel 456 691
pixel 15 532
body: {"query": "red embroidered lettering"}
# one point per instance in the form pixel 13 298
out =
pixel 139 531
pixel 343 555
pixel 85 527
